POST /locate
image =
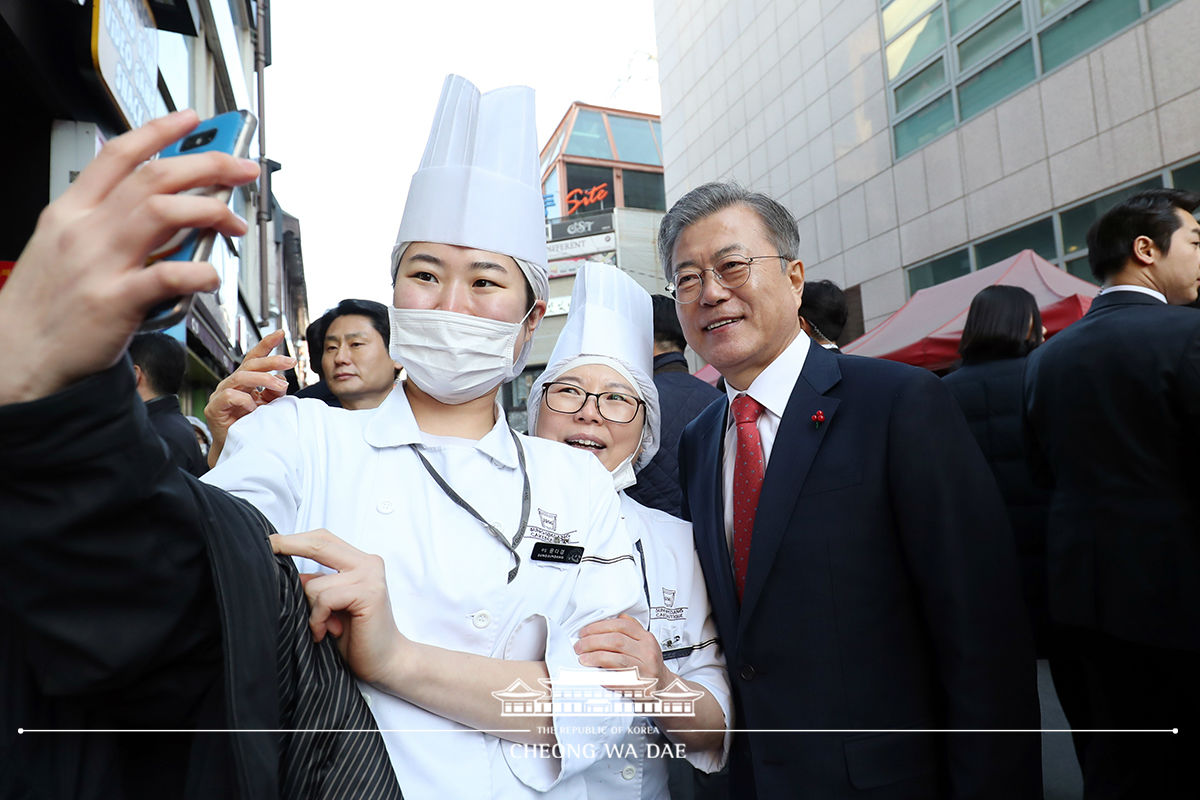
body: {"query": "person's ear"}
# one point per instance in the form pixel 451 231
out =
pixel 1144 251
pixel 138 376
pixel 795 275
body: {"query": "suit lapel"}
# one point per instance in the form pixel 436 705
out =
pixel 707 506
pixel 792 454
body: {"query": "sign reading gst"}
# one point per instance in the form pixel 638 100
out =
pixel 125 53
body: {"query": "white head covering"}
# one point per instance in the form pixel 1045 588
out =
pixel 611 322
pixel 478 184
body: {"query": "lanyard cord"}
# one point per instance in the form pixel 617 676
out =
pixel 492 529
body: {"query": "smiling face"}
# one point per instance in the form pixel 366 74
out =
pixel 739 331
pixel 467 281
pixel 586 429
pixel 355 362
pixel 1176 273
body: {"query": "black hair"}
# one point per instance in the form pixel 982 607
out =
pixel 1150 213
pixel 314 334
pixel 667 331
pixel 162 360
pixel 824 306
pixel 1003 322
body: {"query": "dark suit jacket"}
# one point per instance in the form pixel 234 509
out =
pixel 882 593
pixel 174 429
pixel 1113 405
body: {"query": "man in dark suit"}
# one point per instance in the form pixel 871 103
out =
pixel 159 364
pixel 823 315
pixel 1113 416
pixel 855 546
pixel 682 396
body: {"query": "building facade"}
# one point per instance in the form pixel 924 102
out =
pixel 76 73
pixel 917 140
pixel 603 188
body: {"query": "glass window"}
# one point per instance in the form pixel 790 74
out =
pixel 990 38
pixel 1187 177
pixel 550 195
pixel 997 81
pixel 657 126
pixel 1050 6
pixel 899 14
pixel 552 151
pixel 588 137
pixel 1075 223
pixel 634 140
pixel 925 125
pixel 175 66
pixel 965 13
pixel 1083 28
pixel 1080 268
pixel 916 44
pixel 1038 237
pixel 644 190
pixel 588 189
pixel 1159 3
pixel 938 271
pixel 920 86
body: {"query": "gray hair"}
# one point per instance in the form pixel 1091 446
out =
pixel 710 198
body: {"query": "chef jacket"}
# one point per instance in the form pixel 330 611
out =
pixel 682 622
pixel 306 465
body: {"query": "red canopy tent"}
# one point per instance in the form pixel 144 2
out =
pixel 926 330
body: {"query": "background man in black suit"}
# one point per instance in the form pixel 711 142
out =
pixel 871 585
pixel 823 315
pixel 159 364
pixel 682 396
pixel 1113 415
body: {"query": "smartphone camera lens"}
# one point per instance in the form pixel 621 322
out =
pixel 198 139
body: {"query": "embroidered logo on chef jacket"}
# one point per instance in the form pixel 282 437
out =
pixel 548 530
pixel 668 610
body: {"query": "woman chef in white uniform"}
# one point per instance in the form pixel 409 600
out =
pixel 497 548
pixel 597 395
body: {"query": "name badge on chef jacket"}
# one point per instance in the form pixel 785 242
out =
pixel 557 553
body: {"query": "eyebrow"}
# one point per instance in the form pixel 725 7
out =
pixel 724 251
pixel 329 337
pixel 479 266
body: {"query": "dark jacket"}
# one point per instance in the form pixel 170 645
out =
pixel 137 597
pixel 174 429
pixel 882 593
pixel 990 395
pixel 1113 414
pixel 681 396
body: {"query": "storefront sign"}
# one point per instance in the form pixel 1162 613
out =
pixel 581 225
pixel 581 198
pixel 570 248
pixel 125 54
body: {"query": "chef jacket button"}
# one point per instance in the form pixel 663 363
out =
pixel 385 507
pixel 481 619
pixel 747 672
pixel 628 773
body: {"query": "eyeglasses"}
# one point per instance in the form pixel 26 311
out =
pixel 730 273
pixel 567 398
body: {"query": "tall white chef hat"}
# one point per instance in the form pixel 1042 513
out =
pixel 611 322
pixel 478 184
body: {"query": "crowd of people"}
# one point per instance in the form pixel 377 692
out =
pixel 847 576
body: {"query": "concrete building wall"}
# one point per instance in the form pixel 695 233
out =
pixel 790 98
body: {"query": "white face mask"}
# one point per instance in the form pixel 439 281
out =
pixel 455 357
pixel 623 476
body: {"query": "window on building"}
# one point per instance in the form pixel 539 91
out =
pixel 589 188
pixel 1077 221
pixel 984 50
pixel 939 270
pixel 1187 177
pixel 644 190
pixel 1038 237
pixel 634 140
pixel 589 137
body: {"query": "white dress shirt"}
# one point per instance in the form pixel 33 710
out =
pixel 772 389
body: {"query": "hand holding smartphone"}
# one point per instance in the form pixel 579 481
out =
pixel 227 133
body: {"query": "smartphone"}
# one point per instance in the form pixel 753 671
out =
pixel 226 133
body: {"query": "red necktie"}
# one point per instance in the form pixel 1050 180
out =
pixel 748 469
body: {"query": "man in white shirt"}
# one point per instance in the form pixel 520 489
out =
pixel 1113 418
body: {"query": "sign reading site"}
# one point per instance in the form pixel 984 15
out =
pixel 125 54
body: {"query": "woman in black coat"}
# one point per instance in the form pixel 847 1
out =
pixel 1003 326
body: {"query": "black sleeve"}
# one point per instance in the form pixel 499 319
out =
pixel 107 581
